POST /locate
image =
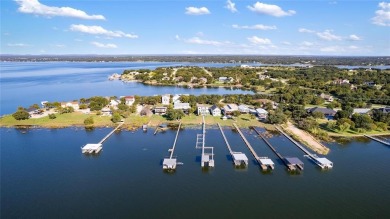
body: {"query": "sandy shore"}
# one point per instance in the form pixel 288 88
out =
pixel 306 138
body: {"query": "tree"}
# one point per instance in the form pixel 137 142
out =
pixel 318 115
pixel 35 106
pixel 277 117
pixel 344 127
pixel 21 114
pixel 116 117
pixel 67 109
pixel 173 114
pixel 52 116
pixel 89 121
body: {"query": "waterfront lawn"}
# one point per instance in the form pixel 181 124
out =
pixel 62 120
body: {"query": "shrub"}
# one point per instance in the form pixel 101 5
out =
pixel 21 114
pixel 52 116
pixel 89 121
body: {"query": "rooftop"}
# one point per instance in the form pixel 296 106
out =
pixel 293 160
pixel 239 156
pixel 266 161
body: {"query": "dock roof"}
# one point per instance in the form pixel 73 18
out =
pixel 169 162
pixel 266 161
pixel 325 161
pixel 92 146
pixel 239 156
pixel 293 160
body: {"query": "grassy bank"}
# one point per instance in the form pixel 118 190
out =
pixel 133 121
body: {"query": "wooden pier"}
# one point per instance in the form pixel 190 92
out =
pixel 171 162
pixel 239 158
pixel 96 148
pixel 207 159
pixel 290 166
pixel 322 162
pixel 264 162
pixel 378 140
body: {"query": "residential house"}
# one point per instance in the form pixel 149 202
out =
pixel 229 109
pixel 160 110
pixel 129 100
pixel 114 104
pixel 385 110
pixel 261 113
pixel 263 77
pixel 326 97
pixel 225 79
pixel 73 104
pixel 182 106
pixel 203 109
pixel 176 98
pixel 243 108
pixel 215 110
pixel 106 111
pixel 361 111
pixel 33 111
pixel 146 111
pixel 341 81
pixel 165 99
pixel 203 80
pixel 327 112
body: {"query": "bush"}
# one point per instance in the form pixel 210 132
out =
pixel 52 116
pixel 89 121
pixel 116 117
pixel 21 114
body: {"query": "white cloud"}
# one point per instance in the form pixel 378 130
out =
pixel 98 30
pixel 107 46
pixel 305 43
pixel 286 43
pixel 304 30
pixel 382 16
pixel 197 11
pixel 259 41
pixel 330 49
pixel 255 27
pixel 177 37
pixel 35 7
pixel 272 10
pixel 197 40
pixel 18 45
pixel 353 37
pixel 328 35
pixel 231 6
pixel 59 46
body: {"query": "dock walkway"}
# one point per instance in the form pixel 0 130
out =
pixel 264 162
pixel 378 140
pixel 239 158
pixel 171 162
pixel 96 148
pixel 207 159
pixel 288 165
pixel 322 162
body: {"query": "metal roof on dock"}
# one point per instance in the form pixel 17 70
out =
pixel 293 160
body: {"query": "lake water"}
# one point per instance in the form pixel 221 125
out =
pixel 26 83
pixel 45 175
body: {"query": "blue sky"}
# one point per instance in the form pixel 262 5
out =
pixel 279 27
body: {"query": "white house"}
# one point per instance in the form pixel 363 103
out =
pixel 215 111
pixel 176 98
pixel 243 108
pixel 114 104
pixel 165 99
pixel 225 79
pixel 129 100
pixel 326 97
pixel 261 113
pixel 73 104
pixel 182 106
pixel 203 109
pixel 229 108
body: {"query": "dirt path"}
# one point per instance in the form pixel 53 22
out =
pixel 307 139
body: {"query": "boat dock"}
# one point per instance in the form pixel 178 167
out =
pixel 292 163
pixel 239 158
pixel 378 140
pixel 264 162
pixel 207 159
pixel 322 162
pixel 171 162
pixel 96 148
